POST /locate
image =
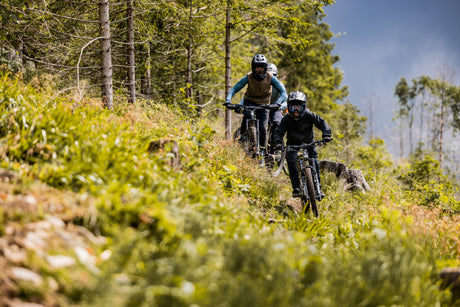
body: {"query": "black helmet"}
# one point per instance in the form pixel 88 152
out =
pixel 297 104
pixel 272 68
pixel 259 60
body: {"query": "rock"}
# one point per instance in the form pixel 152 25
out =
pixel 30 200
pixel 7 176
pixel 451 279
pixel 86 258
pixel 23 274
pixel 355 178
pixel 335 167
pixel 356 181
pixel 55 221
pixel 15 254
pixel 19 303
pixel 60 261
pixel 35 241
pixel 105 255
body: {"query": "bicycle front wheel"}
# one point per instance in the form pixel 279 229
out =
pixel 311 191
pixel 252 138
pixel 237 133
pixel 281 164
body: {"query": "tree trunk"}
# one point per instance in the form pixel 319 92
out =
pixel 401 139
pixel 228 72
pixel 441 130
pixel 411 122
pixel 131 59
pixel 422 116
pixel 188 91
pixel 106 57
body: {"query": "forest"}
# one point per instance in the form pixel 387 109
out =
pixel 92 214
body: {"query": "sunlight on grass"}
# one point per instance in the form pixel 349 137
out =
pixel 216 231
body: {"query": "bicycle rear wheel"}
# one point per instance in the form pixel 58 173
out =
pixel 311 191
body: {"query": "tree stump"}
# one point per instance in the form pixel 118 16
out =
pixel 354 178
pixel 162 145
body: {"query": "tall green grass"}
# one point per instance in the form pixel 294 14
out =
pixel 203 234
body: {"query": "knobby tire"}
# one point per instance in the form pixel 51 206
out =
pixel 311 191
pixel 281 165
pixel 252 138
pixel 237 134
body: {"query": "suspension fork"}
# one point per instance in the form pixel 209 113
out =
pixel 315 175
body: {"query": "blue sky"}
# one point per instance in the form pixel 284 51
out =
pixel 380 41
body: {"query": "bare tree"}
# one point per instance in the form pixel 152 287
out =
pixel 371 106
pixel 131 59
pixel 228 71
pixel 106 56
pixel 188 91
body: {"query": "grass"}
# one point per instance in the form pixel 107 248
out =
pixel 204 234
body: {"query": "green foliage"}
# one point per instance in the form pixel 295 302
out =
pixel 373 158
pixel 423 172
pixel 208 233
pixel 308 60
pixel 426 182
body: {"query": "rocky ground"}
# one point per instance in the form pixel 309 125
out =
pixel 45 255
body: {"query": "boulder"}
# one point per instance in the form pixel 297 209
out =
pixel 354 178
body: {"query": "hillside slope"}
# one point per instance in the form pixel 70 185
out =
pixel 91 216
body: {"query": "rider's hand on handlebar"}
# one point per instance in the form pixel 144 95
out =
pixel 327 139
pixel 239 109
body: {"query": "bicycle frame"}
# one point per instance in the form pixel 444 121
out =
pixel 252 126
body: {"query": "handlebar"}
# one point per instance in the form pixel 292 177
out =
pixel 231 106
pixel 305 146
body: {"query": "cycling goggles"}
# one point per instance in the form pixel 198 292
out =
pixel 296 107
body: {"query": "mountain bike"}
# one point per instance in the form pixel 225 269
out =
pixel 250 139
pixel 309 176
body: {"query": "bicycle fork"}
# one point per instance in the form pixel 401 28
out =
pixel 315 176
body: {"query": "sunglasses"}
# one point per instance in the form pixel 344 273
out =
pixel 298 108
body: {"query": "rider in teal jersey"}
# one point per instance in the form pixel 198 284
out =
pixel 259 92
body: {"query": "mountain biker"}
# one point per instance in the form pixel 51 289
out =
pixel 259 91
pixel 298 125
pixel 275 116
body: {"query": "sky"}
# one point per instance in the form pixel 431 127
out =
pixel 380 41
